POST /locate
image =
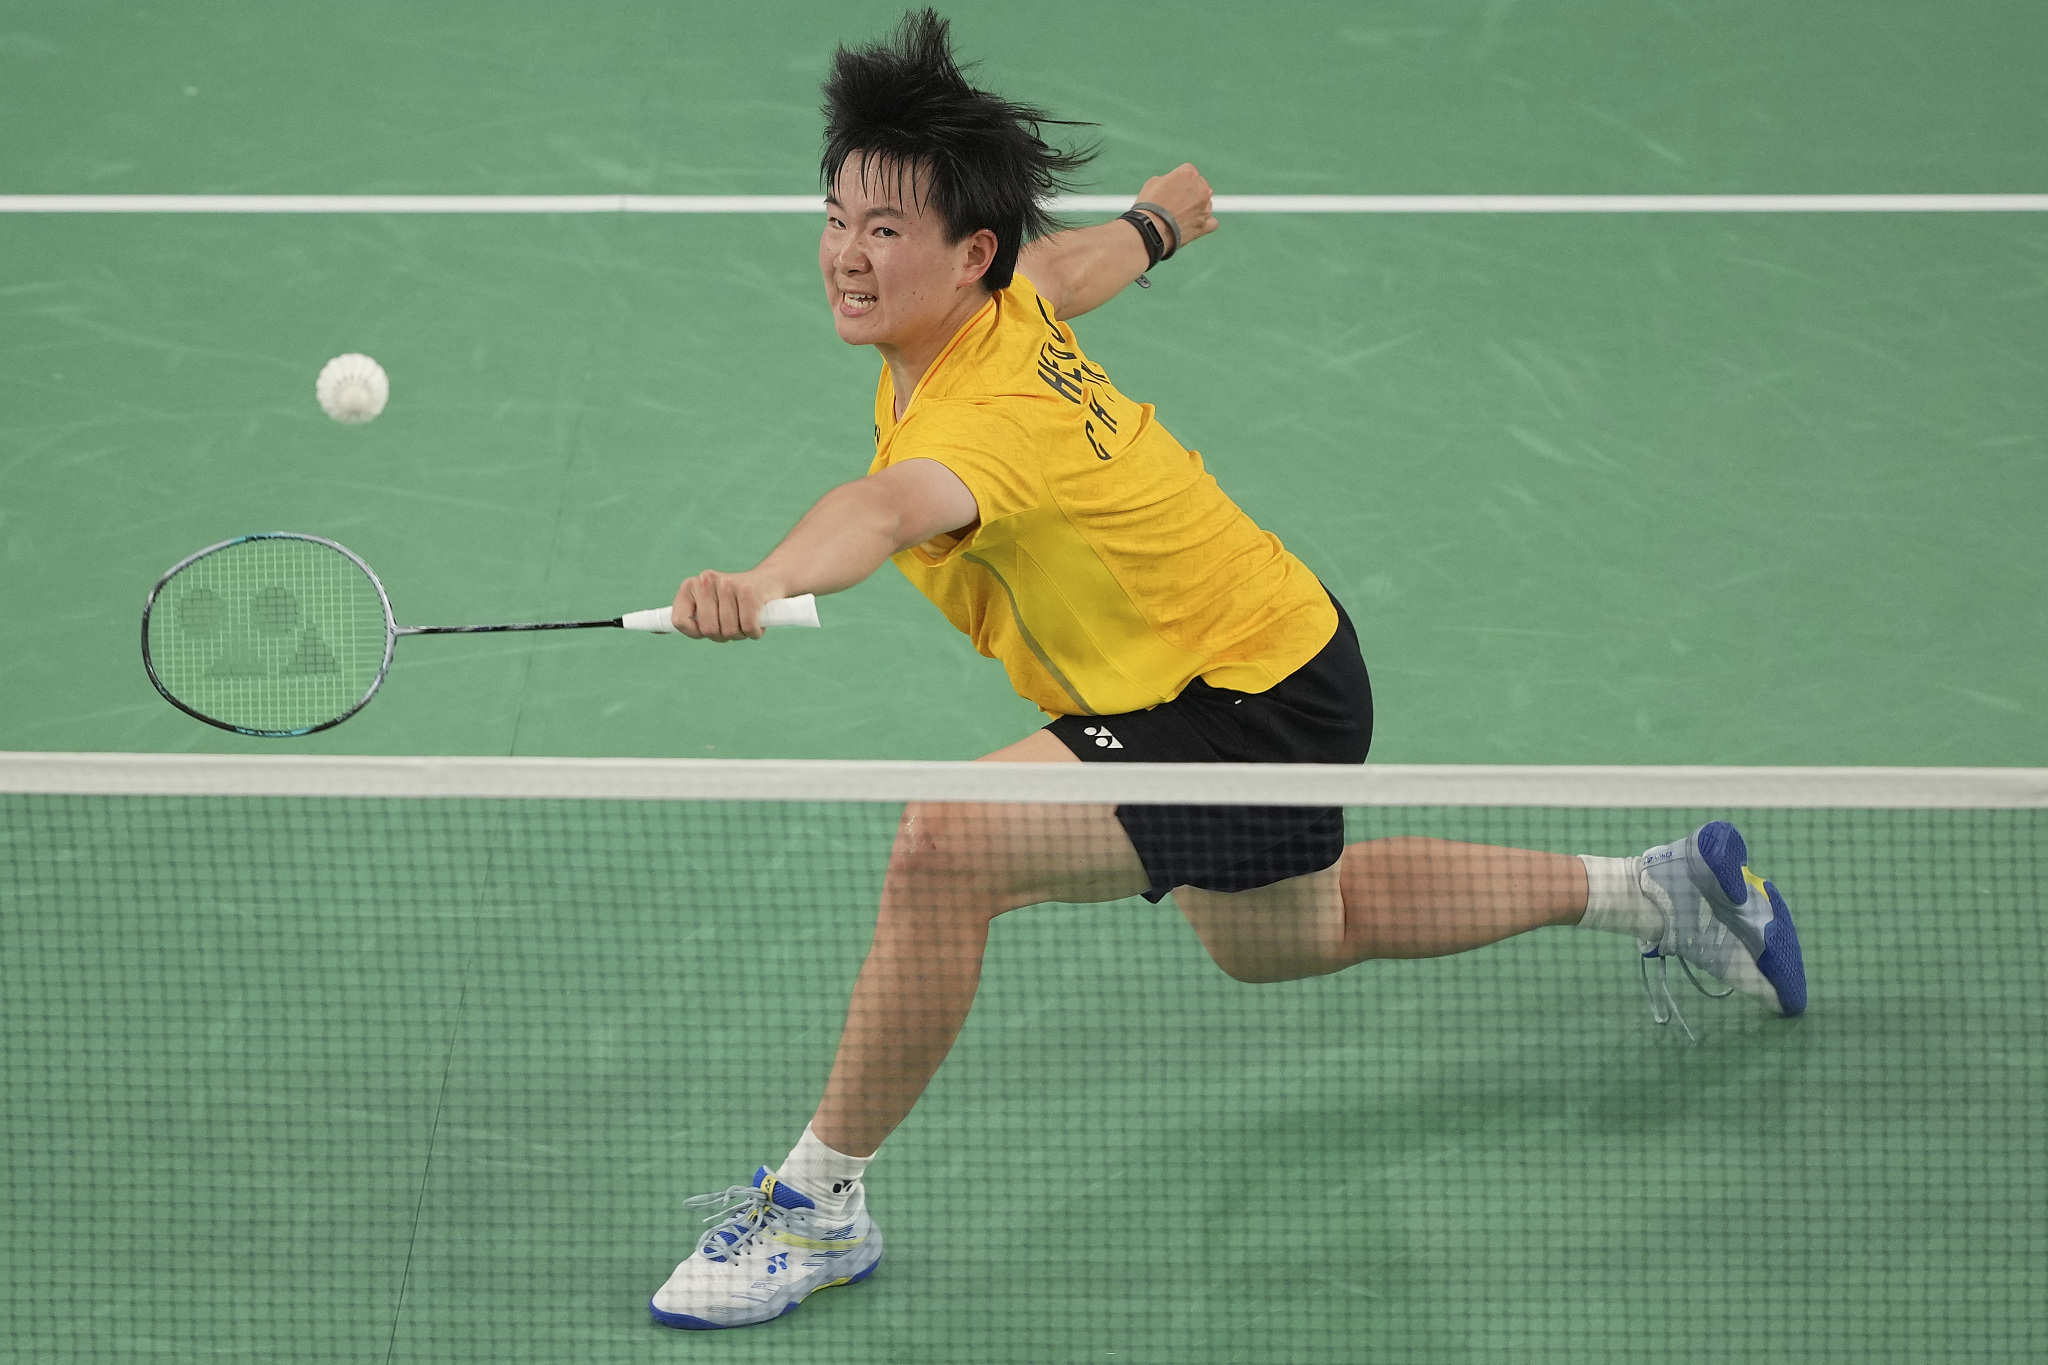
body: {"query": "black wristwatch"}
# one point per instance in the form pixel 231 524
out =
pixel 1156 249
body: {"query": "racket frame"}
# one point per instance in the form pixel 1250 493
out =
pixel 391 633
pixel 807 615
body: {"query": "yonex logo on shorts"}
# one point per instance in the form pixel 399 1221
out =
pixel 1103 738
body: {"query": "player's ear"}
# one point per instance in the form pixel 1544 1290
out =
pixel 979 256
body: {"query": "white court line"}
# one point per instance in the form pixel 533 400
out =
pixel 1080 203
pixel 1305 784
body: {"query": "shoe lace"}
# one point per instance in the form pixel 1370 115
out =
pixel 1670 1011
pixel 741 1212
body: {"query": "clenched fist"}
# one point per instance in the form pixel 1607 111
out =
pixel 1183 193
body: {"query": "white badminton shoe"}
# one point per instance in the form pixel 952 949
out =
pixel 771 1250
pixel 1724 919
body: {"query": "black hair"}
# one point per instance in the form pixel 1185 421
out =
pixel 903 107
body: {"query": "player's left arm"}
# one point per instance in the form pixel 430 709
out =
pixel 1084 268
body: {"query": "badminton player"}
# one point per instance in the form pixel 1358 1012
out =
pixel 1059 524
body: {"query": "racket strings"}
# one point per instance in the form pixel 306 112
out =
pixel 273 634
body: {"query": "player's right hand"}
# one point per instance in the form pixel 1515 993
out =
pixel 1183 193
pixel 721 606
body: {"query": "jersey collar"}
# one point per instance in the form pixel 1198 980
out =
pixel 924 380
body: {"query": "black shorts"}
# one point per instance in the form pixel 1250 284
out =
pixel 1320 713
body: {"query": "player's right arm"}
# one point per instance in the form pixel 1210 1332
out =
pixel 847 535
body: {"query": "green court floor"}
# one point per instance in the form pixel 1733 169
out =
pixel 1701 489
pixel 1765 489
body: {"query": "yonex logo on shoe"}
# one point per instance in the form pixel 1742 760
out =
pixel 1103 738
pixel 779 1261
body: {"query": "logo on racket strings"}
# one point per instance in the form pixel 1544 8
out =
pixel 265 635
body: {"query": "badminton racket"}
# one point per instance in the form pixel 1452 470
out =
pixel 282 634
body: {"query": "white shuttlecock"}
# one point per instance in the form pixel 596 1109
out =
pixel 352 388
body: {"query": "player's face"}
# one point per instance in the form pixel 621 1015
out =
pixel 891 276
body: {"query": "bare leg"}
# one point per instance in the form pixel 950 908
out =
pixel 1432 897
pixel 1405 897
pixel 955 867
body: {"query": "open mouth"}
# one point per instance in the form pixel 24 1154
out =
pixel 853 304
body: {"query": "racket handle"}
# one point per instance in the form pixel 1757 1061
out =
pixel 784 611
pixel 791 611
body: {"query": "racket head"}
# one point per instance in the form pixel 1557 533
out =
pixel 275 635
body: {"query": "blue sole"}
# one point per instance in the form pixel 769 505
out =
pixel 1782 964
pixel 690 1324
pixel 1725 853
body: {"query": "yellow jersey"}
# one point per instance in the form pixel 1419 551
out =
pixel 1107 568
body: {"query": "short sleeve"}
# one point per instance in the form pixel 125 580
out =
pixel 984 449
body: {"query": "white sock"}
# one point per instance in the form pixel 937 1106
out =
pixel 1616 902
pixel 830 1178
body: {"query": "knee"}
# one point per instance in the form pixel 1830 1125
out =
pixel 1378 880
pixel 1277 965
pixel 941 854
pixel 1263 960
pixel 934 840
pixel 1253 971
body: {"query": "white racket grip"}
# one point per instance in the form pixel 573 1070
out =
pixel 656 620
pixel 791 611
pixel 784 611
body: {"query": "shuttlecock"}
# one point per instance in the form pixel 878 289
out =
pixel 352 388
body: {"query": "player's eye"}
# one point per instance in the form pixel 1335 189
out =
pixel 886 232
